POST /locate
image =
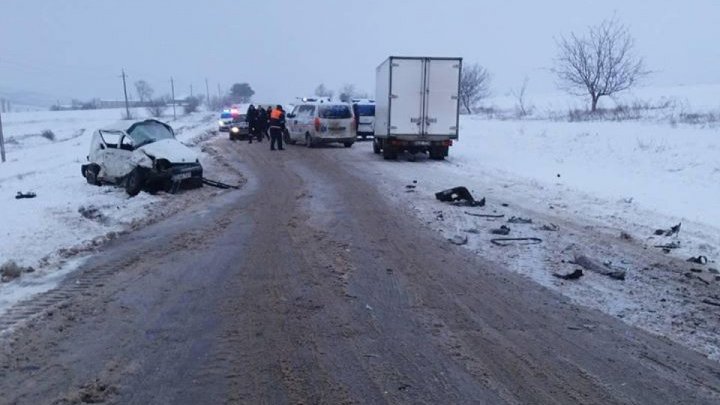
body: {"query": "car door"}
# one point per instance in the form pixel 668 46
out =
pixel 291 122
pixel 308 120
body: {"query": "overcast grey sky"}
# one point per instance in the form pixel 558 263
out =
pixel 284 48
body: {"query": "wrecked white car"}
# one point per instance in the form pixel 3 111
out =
pixel 145 156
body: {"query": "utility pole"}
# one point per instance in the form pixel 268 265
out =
pixel 172 87
pixel 219 92
pixel 2 143
pixel 207 92
pixel 191 92
pixel 127 106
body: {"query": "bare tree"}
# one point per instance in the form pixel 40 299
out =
pixel 347 92
pixel 600 64
pixel 144 90
pixel 191 104
pixel 521 106
pixel 474 86
pixel 157 107
pixel 322 91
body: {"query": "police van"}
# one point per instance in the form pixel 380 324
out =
pixel 316 121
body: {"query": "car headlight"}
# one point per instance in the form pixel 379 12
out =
pixel 236 129
pixel 221 123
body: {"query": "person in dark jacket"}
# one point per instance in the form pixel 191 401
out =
pixel 251 119
pixel 262 123
pixel 267 127
pixel 277 127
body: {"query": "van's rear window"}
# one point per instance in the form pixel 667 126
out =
pixel 366 110
pixel 335 111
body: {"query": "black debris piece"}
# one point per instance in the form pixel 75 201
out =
pixel 675 230
pixel 550 228
pixel 698 260
pixel 484 215
pixel 606 269
pixel 410 186
pixel 515 241
pixel 454 194
pixel 503 230
pixel 668 247
pixel 21 195
pixel 570 276
pixel 519 220
pixel 219 185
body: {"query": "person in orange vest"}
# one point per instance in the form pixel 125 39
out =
pixel 277 127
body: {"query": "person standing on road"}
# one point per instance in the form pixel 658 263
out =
pixel 267 126
pixel 251 119
pixel 262 123
pixel 277 127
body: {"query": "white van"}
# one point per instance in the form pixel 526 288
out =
pixel 364 112
pixel 319 122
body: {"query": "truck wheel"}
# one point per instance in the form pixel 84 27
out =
pixel 348 144
pixel 389 152
pixel 437 153
pixel 91 174
pixel 376 146
pixel 135 182
pixel 308 141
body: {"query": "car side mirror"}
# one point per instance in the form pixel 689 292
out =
pixel 102 146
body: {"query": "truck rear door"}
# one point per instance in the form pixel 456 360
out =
pixel 441 101
pixel 406 96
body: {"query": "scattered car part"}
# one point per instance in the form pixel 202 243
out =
pixel 604 269
pixel 668 246
pixel 675 230
pixel 21 195
pixel 218 184
pixel 503 230
pixel 513 241
pixel 550 228
pixel 456 194
pixel 472 214
pixel 458 240
pixel 576 274
pixel 698 260
pixel 519 220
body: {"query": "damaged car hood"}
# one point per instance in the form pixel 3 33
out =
pixel 170 149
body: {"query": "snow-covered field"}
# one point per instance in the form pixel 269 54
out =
pixel 607 186
pixel 69 217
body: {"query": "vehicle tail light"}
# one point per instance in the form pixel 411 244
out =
pixel 317 124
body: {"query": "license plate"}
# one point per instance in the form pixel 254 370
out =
pixel 338 129
pixel 181 176
pixel 422 143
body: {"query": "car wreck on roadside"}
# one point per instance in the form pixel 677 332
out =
pixel 145 156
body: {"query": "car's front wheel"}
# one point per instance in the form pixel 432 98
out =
pixel 135 182
pixel 348 144
pixel 91 174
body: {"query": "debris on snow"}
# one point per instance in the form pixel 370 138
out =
pixel 519 220
pixel 675 230
pixel 515 241
pixel 459 240
pixel 503 230
pixel 459 194
pixel 604 269
pixel 484 215
pixel 574 275
pixel 698 260
pixel 21 195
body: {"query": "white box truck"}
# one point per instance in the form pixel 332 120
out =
pixel 417 108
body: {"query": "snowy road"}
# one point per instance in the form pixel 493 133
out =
pixel 311 286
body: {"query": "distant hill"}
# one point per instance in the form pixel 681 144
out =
pixel 26 100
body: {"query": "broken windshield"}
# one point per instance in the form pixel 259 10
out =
pixel 149 132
